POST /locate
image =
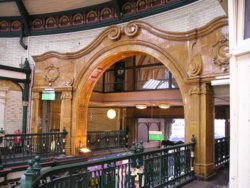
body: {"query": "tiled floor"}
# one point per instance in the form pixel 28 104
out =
pixel 219 181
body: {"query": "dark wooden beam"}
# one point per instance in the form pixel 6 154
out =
pixel 117 8
pixel 25 16
pixel 4 1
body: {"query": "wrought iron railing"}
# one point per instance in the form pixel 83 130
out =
pixel 97 140
pixel 167 167
pixel 19 148
pixel 222 146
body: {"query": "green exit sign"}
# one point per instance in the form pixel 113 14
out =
pixel 49 95
pixel 155 135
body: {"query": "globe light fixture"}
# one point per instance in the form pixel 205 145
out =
pixel 111 113
pixel 141 106
pixel 164 106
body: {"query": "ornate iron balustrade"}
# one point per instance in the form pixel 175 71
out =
pixel 222 146
pixel 19 148
pixel 168 167
pixel 97 140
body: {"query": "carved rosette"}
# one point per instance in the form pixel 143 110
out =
pixel 51 73
pixel 220 52
pixel 66 96
pixel 131 30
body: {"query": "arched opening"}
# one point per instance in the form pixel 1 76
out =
pixel 179 52
pixel 146 99
pixel 98 65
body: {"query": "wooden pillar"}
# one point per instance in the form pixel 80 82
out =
pixel 36 115
pixel 65 119
pixel 79 132
pixel 199 122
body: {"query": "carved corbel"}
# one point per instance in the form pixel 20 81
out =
pixel 196 65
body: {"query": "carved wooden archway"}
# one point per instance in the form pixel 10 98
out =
pixel 194 58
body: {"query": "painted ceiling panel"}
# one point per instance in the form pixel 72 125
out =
pixel 9 9
pixel 49 6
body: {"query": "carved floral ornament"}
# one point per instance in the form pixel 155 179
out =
pixel 220 52
pixel 51 73
pixel 198 90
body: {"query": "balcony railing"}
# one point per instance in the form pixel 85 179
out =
pixel 167 167
pixel 222 146
pixel 19 148
pixel 107 139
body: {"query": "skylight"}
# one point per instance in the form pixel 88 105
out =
pixel 156 84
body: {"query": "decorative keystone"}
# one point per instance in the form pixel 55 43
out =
pixel 133 148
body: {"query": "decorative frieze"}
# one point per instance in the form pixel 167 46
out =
pixel 81 17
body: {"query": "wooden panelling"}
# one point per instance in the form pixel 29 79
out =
pixel 48 6
pixel 9 9
pixel 150 98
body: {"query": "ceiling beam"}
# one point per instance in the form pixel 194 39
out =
pixel 117 8
pixel 25 15
pixel 4 1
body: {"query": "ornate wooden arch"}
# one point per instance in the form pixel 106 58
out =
pixel 188 55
